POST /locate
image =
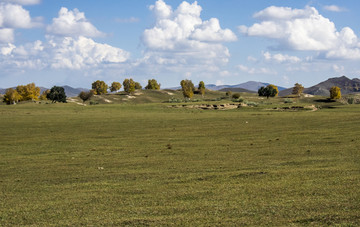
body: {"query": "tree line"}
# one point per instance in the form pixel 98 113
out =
pixel 57 94
pixel 272 91
pixel 31 92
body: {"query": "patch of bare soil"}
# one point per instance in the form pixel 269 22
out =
pixel 227 106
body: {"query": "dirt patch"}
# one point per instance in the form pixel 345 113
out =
pixel 227 106
pixel 296 108
pixel 75 101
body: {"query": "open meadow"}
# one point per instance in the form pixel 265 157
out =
pixel 154 165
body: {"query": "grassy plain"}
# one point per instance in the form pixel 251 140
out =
pixel 151 165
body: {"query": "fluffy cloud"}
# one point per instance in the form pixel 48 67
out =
pixel 334 8
pixel 280 58
pixel 6 35
pixel 72 23
pixel 250 70
pixel 305 30
pixel 12 17
pixel 181 37
pixel 24 2
pixel 84 52
pixel 68 49
pixel 62 53
pixel 297 29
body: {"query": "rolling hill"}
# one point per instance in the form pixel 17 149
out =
pixel 347 86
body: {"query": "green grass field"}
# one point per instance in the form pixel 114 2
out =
pixel 151 165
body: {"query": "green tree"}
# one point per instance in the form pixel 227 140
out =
pixel 187 88
pixel 268 91
pixel 236 96
pixel 28 92
pixel 115 86
pixel 99 87
pixel 202 88
pixel 335 92
pixel 11 96
pixel 297 89
pixel 129 85
pixel 56 94
pixel 84 96
pixel 153 85
pixel 137 86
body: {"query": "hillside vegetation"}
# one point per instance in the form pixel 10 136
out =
pixel 153 165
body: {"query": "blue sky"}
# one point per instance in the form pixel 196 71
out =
pixel 75 42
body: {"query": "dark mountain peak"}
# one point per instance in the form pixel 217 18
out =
pixel 347 86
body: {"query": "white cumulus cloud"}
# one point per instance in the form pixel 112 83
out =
pixel 62 53
pixel 180 36
pixel 72 23
pixel 304 30
pixel 281 58
pixel 82 52
pixel 298 29
pixel 13 16
pixel 6 35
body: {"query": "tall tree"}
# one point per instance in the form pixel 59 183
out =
pixel 268 91
pixel 297 89
pixel 129 85
pixel 99 87
pixel 86 95
pixel 187 88
pixel 115 86
pixel 202 88
pixel 137 86
pixel 11 96
pixel 28 92
pixel 335 92
pixel 153 85
pixel 56 94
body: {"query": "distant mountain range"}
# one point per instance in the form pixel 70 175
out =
pixel 322 89
pixel 250 86
pixel 347 86
pixel 69 91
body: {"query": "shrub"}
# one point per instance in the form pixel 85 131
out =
pixel 236 96
pixel 174 100
pixel 249 103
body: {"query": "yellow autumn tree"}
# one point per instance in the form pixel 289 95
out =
pixel 187 88
pixel 99 87
pixel 28 92
pixel 11 96
pixel 115 86
pixel 335 92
